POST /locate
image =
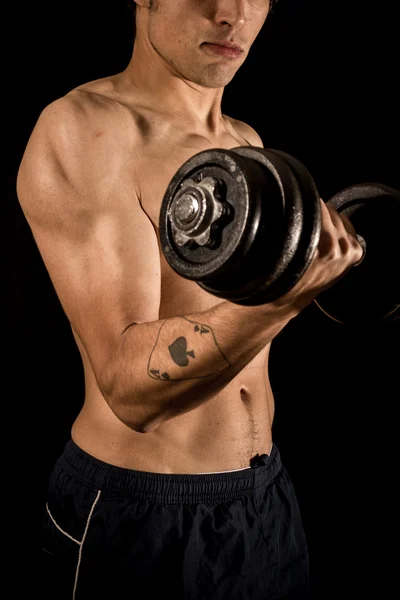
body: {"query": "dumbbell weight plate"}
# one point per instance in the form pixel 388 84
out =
pixel 308 203
pixel 262 284
pixel 368 294
pixel 229 257
pixel 198 262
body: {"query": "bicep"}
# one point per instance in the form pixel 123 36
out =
pixel 101 252
pixel 106 275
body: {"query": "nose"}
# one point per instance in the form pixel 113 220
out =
pixel 231 12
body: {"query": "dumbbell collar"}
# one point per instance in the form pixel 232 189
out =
pixel 193 211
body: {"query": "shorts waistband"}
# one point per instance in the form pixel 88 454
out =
pixel 170 488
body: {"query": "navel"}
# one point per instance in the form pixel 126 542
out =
pixel 244 394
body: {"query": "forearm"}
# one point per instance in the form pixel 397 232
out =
pixel 168 367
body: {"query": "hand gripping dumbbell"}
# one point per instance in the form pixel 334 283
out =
pixel 245 223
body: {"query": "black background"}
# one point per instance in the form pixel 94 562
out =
pixel 319 83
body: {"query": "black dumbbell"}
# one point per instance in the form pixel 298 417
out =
pixel 245 223
pixel 370 292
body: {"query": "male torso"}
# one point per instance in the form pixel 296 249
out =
pixel 147 147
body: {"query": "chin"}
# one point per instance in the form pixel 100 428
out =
pixel 213 79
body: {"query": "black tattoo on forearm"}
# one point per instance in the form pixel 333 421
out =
pixel 196 348
pixel 179 353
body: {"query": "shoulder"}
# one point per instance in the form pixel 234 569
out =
pixel 70 170
pixel 76 139
pixel 76 119
pixel 246 131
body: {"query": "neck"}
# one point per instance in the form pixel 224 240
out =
pixel 156 82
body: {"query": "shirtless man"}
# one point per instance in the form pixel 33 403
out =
pixel 167 486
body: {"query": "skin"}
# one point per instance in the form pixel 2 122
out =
pixel 91 183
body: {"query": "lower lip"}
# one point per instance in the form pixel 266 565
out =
pixel 223 50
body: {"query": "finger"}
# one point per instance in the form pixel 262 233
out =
pixel 348 224
pixel 342 224
pixel 348 234
pixel 336 228
pixel 331 223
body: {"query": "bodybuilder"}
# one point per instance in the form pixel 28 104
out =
pixel 170 483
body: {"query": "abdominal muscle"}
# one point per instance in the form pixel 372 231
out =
pixel 221 435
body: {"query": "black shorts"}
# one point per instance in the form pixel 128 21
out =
pixel 113 533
